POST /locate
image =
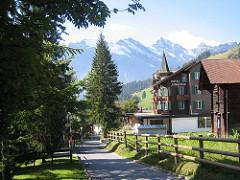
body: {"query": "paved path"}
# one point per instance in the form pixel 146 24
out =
pixel 102 164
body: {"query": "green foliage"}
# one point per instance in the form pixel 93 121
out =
pixel 143 95
pixel 129 88
pixel 230 54
pixel 203 55
pixel 235 133
pixel 144 103
pixel 129 105
pixel 38 89
pixel 103 88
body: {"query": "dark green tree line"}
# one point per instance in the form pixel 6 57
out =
pixel 37 86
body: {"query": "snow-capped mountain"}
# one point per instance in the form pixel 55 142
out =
pixel 213 49
pixel 175 53
pixel 136 61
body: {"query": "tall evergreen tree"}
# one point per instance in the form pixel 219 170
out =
pixel 103 88
pixel 36 90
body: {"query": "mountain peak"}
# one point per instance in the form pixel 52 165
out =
pixel 129 53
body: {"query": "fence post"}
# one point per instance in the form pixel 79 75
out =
pixel 118 137
pixel 52 158
pixel 146 145
pixel 125 138
pixel 176 150
pixel 238 148
pixel 201 153
pixel 159 147
pixel 70 154
pixel 136 142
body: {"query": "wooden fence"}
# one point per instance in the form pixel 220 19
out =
pixel 32 156
pixel 121 137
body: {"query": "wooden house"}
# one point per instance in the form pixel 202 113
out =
pixel 222 79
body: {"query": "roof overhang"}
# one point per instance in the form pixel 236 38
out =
pixel 152 116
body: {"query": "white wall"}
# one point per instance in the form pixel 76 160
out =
pixel 97 129
pixel 186 124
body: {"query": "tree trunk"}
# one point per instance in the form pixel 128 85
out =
pixel 6 175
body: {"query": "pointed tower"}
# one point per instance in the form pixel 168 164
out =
pixel 159 75
pixel 164 65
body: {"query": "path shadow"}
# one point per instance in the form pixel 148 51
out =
pixel 123 169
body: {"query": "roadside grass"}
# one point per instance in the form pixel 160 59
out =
pixel 193 170
pixel 62 168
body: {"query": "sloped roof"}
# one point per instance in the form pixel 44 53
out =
pixel 222 71
pixel 185 68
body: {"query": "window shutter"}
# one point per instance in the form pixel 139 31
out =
pixel 193 90
pixel 192 74
pixel 193 105
pixel 202 104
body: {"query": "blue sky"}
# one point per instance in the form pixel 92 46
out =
pixel 187 22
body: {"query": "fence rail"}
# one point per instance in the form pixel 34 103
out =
pixel 56 153
pixel 121 137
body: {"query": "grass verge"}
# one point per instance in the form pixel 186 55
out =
pixel 62 169
pixel 190 169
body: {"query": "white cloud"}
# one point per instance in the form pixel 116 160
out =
pixel 112 32
pixel 188 40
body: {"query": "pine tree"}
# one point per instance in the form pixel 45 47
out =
pixel 144 95
pixel 103 88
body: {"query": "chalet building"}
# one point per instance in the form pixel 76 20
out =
pixel 199 97
pixel 177 95
pixel 178 103
pixel 221 78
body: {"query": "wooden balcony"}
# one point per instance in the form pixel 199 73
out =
pixel 160 111
pixel 182 97
pixel 163 98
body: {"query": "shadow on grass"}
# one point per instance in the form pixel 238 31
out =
pixel 61 169
pixel 113 146
pixel 191 169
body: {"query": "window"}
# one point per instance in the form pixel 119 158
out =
pixel 208 122
pixel 181 105
pixel 165 105
pixel 198 104
pixel 169 105
pixel 196 76
pixel 201 122
pixel 163 91
pixel 195 90
pixel 160 105
pixel 156 122
pixel 184 77
pixel 181 90
pixel 169 91
pixel 204 122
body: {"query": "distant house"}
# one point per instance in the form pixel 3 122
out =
pixel 177 95
pixel 178 103
pixel 221 78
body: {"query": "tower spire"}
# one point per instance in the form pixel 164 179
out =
pixel 164 65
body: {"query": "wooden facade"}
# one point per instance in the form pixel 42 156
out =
pixel 225 99
pixel 178 93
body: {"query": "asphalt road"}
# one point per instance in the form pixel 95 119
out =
pixel 102 164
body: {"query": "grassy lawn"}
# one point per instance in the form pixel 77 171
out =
pixel 187 168
pixel 61 169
